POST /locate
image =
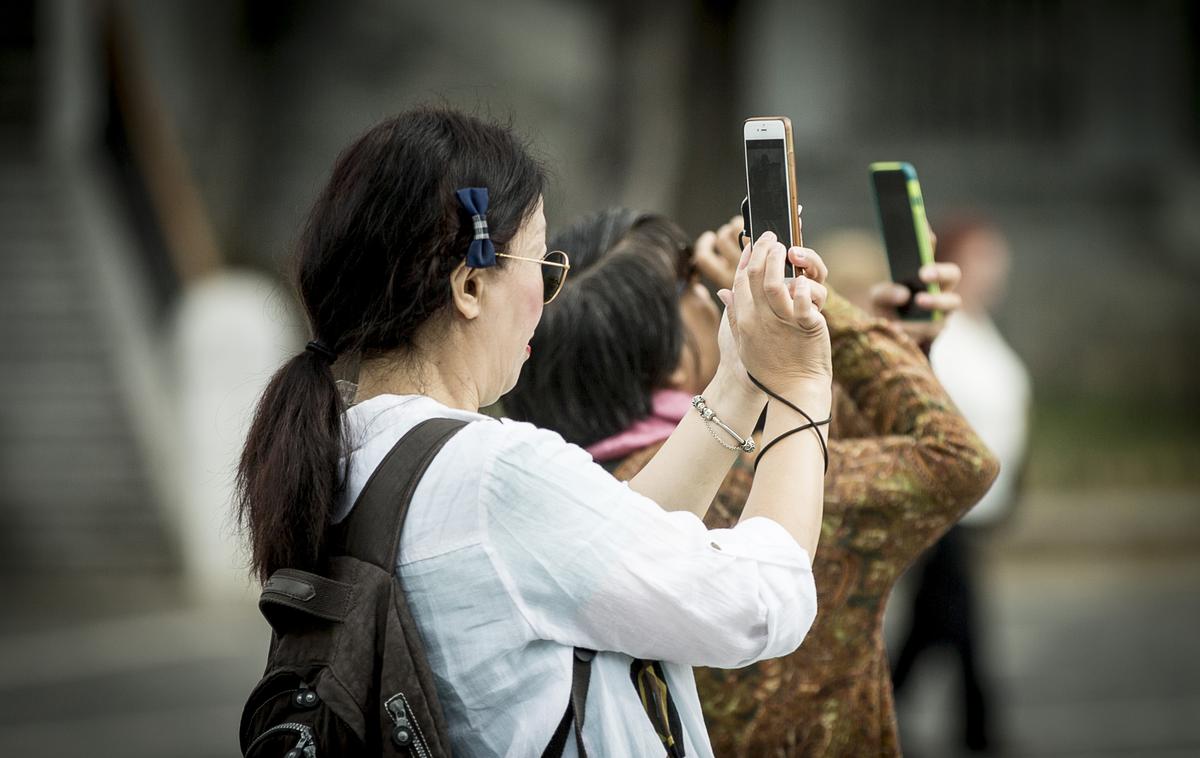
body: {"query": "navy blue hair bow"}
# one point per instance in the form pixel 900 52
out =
pixel 482 253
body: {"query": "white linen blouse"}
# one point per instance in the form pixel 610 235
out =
pixel 518 548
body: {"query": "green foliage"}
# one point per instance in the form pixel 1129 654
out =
pixel 1105 442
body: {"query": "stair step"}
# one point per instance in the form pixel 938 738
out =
pixel 76 496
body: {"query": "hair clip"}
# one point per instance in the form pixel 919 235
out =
pixel 482 253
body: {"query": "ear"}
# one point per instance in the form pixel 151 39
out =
pixel 466 290
pixel 681 377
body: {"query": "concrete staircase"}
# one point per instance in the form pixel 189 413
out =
pixel 74 495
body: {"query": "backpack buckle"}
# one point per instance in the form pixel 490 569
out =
pixel 405 732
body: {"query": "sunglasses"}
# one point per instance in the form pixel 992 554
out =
pixel 555 265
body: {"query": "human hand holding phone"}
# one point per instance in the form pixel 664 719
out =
pixel 907 238
pixel 716 255
pixel 781 335
pixel 784 343
pixel 887 298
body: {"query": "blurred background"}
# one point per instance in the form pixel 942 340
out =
pixel 156 160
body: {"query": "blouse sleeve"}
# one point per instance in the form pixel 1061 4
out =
pixel 922 460
pixel 592 563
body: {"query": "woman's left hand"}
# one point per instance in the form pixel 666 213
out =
pixel 731 363
pixel 886 297
pixel 716 255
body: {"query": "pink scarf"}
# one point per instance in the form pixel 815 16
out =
pixel 667 409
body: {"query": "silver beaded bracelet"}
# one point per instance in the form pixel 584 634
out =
pixel 710 418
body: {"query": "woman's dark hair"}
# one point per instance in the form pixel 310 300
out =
pixel 371 267
pixel 614 334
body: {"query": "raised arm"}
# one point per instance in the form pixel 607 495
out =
pixel 591 563
pixel 687 471
pixel 784 343
pixel 922 458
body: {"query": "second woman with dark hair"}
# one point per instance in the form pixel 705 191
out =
pixel 904 464
pixel 424 263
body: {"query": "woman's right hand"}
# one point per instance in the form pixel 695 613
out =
pixel 888 297
pixel 716 254
pixel 782 337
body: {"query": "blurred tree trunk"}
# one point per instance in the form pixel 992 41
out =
pixel 712 182
pixel 672 142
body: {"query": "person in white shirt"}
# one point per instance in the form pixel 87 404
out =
pixel 991 387
pixel 982 374
pixel 423 264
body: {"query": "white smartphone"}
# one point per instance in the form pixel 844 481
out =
pixel 771 180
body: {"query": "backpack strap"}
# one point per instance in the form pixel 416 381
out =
pixel 371 532
pixel 581 674
pixel 650 681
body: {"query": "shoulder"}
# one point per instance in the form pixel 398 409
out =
pixel 374 427
pixel 520 451
pixel 535 473
pixel 524 436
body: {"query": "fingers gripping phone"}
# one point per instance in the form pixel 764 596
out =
pixel 771 181
pixel 905 231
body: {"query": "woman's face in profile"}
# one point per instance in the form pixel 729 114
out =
pixel 701 317
pixel 513 311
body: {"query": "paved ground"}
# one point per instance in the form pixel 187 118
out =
pixel 1089 658
pixel 1095 647
pixel 1094 635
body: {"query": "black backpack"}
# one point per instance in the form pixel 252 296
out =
pixel 346 671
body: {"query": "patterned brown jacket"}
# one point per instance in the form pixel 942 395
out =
pixel 903 467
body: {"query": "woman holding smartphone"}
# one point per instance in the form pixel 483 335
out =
pixel 424 263
pixel 903 463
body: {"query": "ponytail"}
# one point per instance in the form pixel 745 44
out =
pixel 371 268
pixel 298 431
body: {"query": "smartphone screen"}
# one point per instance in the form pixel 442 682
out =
pixel 898 220
pixel 767 188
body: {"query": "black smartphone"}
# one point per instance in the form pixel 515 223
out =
pixel 771 181
pixel 905 231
